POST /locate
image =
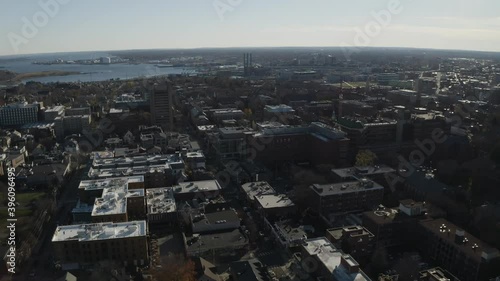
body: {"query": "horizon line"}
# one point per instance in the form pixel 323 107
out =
pixel 255 47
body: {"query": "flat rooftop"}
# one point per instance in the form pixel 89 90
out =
pixel 226 216
pixel 437 274
pixel 355 230
pixel 229 239
pixel 195 154
pixel 132 171
pixel 197 186
pixel 114 200
pixel 253 189
pixel 274 201
pixel 100 184
pixel 290 231
pixel 56 108
pixel 345 187
pixel 282 108
pixel 473 247
pixel 331 258
pixel 99 231
pixel 38 125
pixel 160 200
pixel 141 160
pixel 386 215
pixel 363 171
pixel 317 129
pixel 324 250
pixel 102 154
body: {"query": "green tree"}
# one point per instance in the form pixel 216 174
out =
pixel 365 158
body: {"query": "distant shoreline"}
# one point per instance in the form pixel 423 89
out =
pixel 8 76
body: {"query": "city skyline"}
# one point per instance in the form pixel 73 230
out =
pixel 74 26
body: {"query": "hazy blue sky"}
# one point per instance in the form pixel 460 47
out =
pixel 88 25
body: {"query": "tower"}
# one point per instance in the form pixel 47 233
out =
pixel 247 63
pixel 161 106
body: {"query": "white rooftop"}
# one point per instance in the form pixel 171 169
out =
pixel 331 259
pixel 361 185
pixel 274 201
pixel 104 183
pixel 160 200
pixel 197 186
pixel 195 154
pixel 131 171
pixel 114 200
pixel 141 160
pixel 253 189
pixel 324 250
pixel 279 108
pixel 99 231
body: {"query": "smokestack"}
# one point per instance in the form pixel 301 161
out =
pixel 245 63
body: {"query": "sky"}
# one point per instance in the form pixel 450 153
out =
pixel 28 26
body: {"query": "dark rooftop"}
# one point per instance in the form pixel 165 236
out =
pixel 362 171
pixel 345 187
pixel 229 239
pixel 470 245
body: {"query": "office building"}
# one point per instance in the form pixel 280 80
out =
pixel 221 114
pixel 436 274
pixel 50 114
pixel 117 203
pixel 275 206
pixel 195 160
pixel 88 244
pixel 230 143
pixel 18 114
pixel 161 107
pixel 218 221
pixel 158 170
pixel 161 206
pixel 375 134
pixel 458 251
pixel 355 107
pixel 282 113
pixel 346 197
pixel 355 240
pixel 254 189
pixel 376 173
pixel 395 227
pixel 316 143
pixel 77 111
pixel 113 199
pixel 198 190
pixel 425 124
pixel 288 234
pixel 330 264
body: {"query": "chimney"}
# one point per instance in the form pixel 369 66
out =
pixel 349 263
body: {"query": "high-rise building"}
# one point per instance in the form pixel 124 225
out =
pixel 19 114
pixel 161 106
